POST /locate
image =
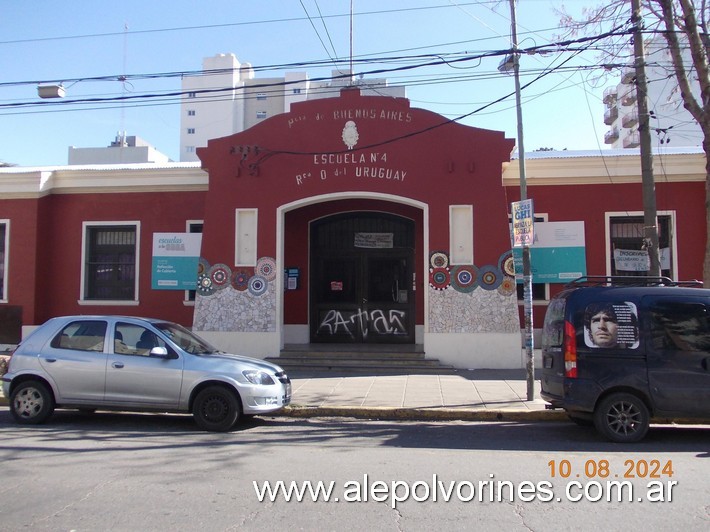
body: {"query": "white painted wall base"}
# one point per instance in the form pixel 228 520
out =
pixel 256 345
pixel 297 334
pixel 476 350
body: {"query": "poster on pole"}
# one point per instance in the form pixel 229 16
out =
pixel 175 260
pixel 523 223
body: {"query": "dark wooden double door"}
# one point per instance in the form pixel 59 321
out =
pixel 362 279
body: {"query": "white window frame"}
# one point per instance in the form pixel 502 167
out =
pixel 261 96
pixel 85 226
pixel 627 214
pixel 260 115
pixel 246 224
pixel 190 112
pixel 6 260
pixel 461 234
pixel 190 130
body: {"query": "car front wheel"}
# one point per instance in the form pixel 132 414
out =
pixel 31 403
pixel 216 409
pixel 622 418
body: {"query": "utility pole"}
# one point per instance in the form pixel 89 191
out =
pixel 527 270
pixel 650 220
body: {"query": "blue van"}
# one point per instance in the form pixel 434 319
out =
pixel 620 351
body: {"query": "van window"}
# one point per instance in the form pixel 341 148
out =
pixel 680 326
pixel 554 326
pixel 611 325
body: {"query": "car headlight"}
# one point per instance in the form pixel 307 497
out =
pixel 256 376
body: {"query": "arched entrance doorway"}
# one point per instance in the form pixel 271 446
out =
pixel 362 278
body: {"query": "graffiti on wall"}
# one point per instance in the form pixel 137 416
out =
pixel 381 322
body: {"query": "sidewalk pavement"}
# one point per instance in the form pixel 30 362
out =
pixel 468 395
pixel 474 395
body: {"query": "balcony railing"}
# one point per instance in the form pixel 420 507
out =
pixel 610 95
pixel 628 74
pixel 632 140
pixel 630 119
pixel 629 97
pixel 611 135
pixel 610 115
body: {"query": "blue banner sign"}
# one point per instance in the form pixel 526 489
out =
pixel 175 260
pixel 557 254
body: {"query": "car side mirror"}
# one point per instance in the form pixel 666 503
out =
pixel 161 352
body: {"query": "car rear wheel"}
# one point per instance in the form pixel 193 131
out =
pixel 216 409
pixel 31 403
pixel 622 418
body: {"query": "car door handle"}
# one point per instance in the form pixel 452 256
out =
pixel 47 359
pixel 117 365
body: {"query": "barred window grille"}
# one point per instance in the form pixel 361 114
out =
pixel 111 263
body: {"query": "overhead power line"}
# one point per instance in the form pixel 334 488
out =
pixel 427 60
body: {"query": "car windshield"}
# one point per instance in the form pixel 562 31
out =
pixel 185 339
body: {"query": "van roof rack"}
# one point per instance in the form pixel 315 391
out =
pixel 629 280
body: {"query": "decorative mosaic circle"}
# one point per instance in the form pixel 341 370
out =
pixel 489 277
pixel 202 266
pixel 506 263
pixel 464 278
pixel 258 285
pixel 240 278
pixel 507 286
pixel 439 278
pixel 439 259
pixel 205 287
pixel 266 267
pixel 221 276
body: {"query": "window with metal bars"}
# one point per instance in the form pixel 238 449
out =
pixel 627 233
pixel 111 263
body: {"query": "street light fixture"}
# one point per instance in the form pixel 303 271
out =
pixel 56 90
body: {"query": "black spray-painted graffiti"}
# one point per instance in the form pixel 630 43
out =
pixel 381 322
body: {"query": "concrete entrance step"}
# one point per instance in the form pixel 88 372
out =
pixel 359 358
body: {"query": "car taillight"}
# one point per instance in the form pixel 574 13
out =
pixel 570 345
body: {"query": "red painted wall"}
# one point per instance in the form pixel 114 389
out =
pixel 24 244
pixel 590 202
pixel 354 143
pixel 301 154
pixel 60 255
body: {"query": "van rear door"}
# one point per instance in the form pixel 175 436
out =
pixel 553 363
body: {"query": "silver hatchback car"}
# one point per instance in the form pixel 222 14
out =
pixel 137 364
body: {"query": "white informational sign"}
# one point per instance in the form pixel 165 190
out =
pixel 374 240
pixel 632 260
pixel 523 223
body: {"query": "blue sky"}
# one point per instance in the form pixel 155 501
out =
pixel 45 40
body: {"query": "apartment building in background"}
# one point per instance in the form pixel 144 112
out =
pixel 226 98
pixel 670 123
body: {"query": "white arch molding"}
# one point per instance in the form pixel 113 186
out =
pixel 326 198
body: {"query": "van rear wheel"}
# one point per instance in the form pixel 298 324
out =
pixel 622 418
